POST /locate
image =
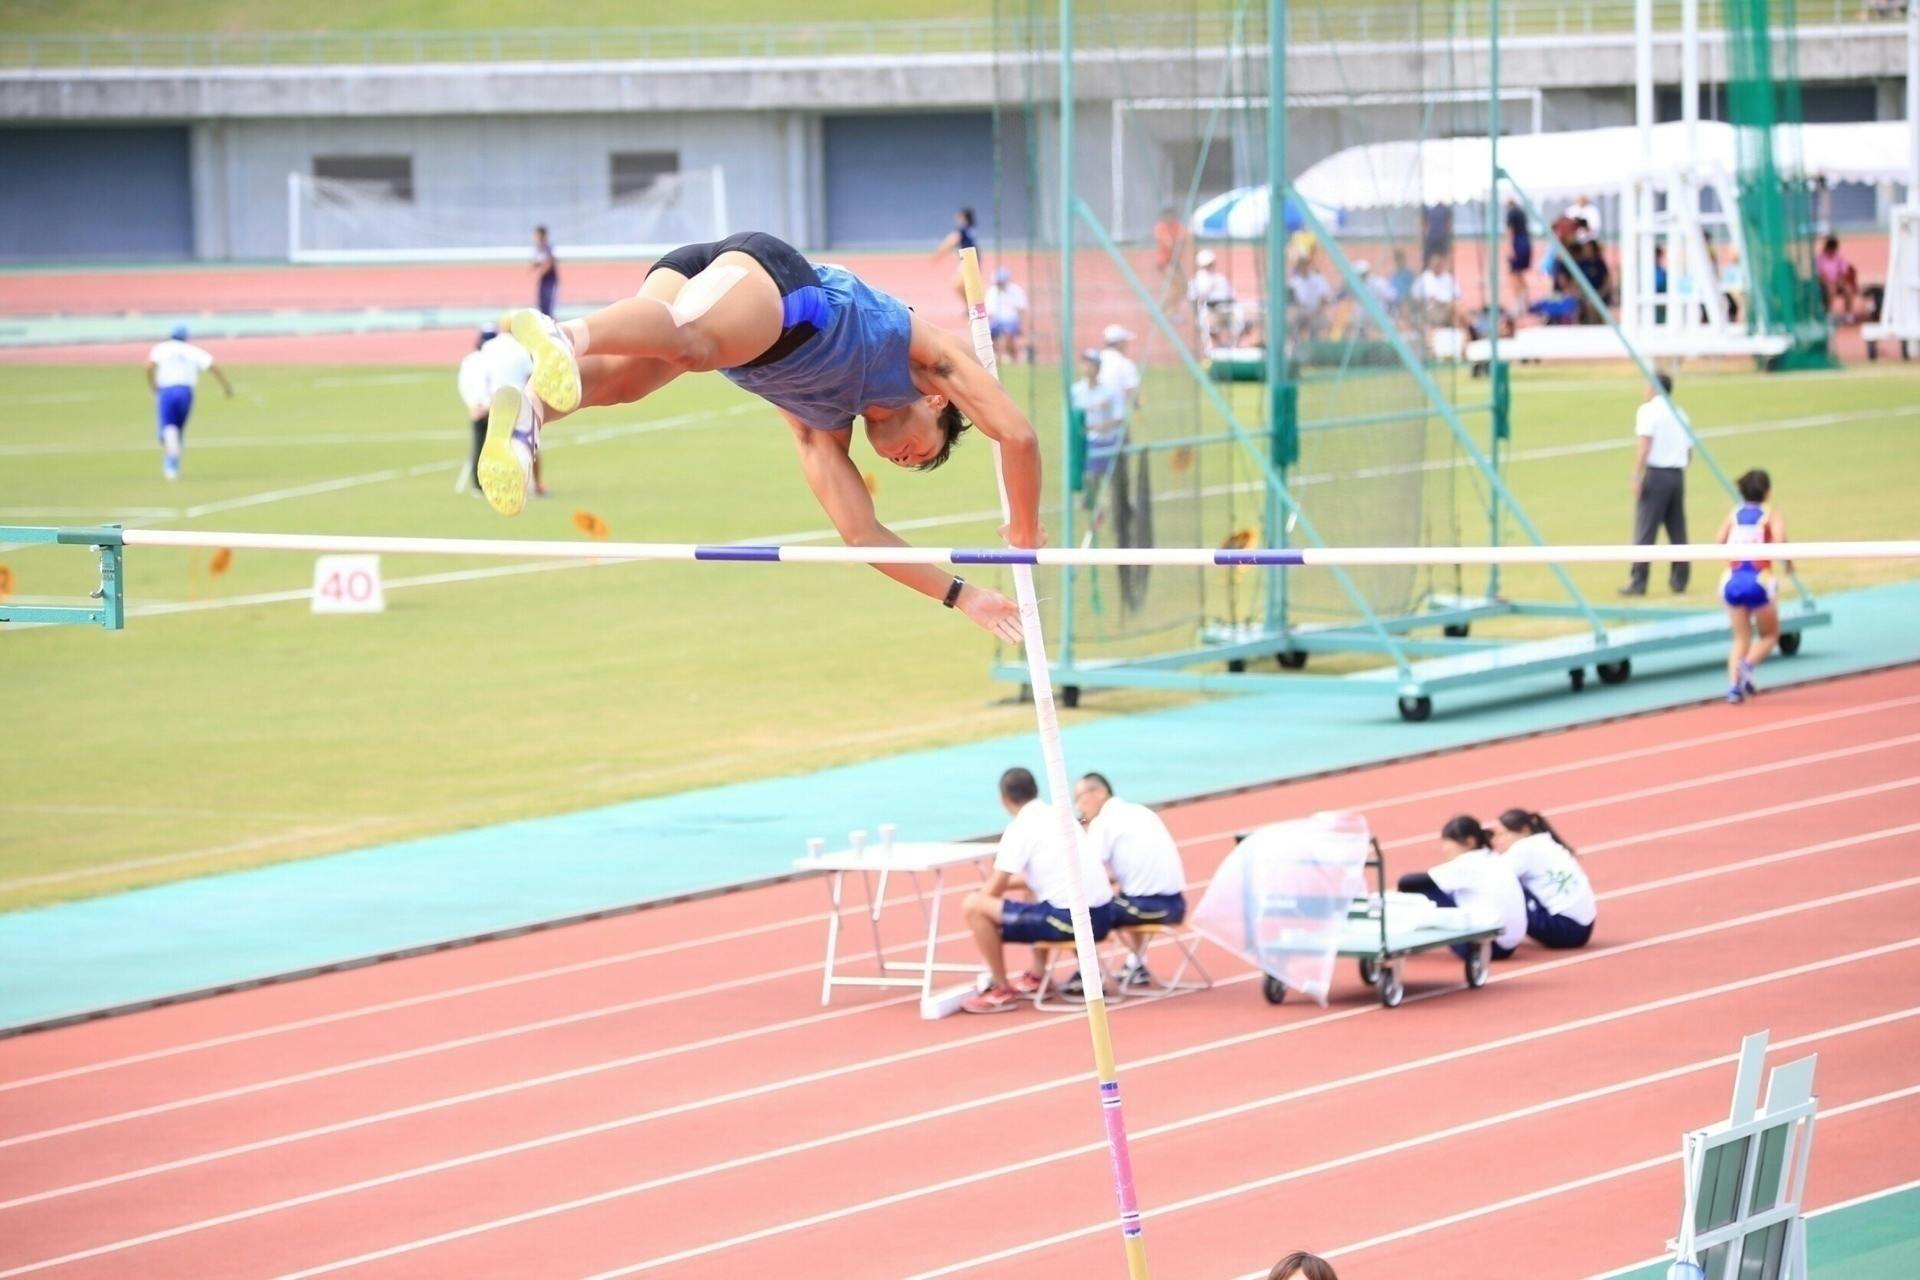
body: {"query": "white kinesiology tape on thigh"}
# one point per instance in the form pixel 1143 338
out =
pixel 699 294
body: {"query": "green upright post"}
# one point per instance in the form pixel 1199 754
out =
pixel 1282 397
pixel 1069 481
pixel 1496 370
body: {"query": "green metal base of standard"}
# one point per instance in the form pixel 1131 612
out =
pixel 110 613
pixel 1451 662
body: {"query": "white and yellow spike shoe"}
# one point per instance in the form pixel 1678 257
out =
pixel 513 442
pixel 556 371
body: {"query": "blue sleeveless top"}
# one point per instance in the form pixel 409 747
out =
pixel 858 357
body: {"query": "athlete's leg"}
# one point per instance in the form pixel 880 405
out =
pixel 1742 637
pixel 1767 624
pixel 727 315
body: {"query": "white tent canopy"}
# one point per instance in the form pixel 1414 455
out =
pixel 1550 166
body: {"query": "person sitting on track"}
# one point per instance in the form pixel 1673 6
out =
pixel 1029 858
pixel 1302 1265
pixel 1748 587
pixel 817 343
pixel 1142 861
pixel 1474 877
pixel 1560 904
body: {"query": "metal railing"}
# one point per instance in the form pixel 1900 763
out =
pixel 1368 20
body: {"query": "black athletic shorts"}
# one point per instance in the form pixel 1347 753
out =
pixel 804 303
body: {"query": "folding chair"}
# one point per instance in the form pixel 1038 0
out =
pixel 1139 938
pixel 1050 996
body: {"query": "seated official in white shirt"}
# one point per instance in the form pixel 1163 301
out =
pixel 1139 853
pixel 1030 857
pixel 1474 877
pixel 1561 906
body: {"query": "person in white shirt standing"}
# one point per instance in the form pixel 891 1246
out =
pixel 1118 373
pixel 1659 484
pixel 1099 408
pixel 173 371
pixel 1211 294
pixel 1474 877
pixel 1142 860
pixel 1030 857
pixel 496 361
pixel 1006 315
pixel 1561 907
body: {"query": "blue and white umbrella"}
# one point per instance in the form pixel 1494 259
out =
pixel 1241 214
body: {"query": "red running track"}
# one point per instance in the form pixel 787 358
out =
pixel 663 1094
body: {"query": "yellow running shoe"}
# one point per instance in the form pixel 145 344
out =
pixel 556 373
pixel 513 442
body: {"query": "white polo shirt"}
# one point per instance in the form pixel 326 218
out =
pixel 1554 876
pixel 1030 848
pixel 1120 375
pixel 475 388
pixel 1655 421
pixel 178 364
pixel 1136 845
pixel 1486 886
pixel 508 364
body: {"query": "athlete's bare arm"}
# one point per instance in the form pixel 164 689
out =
pixel 842 494
pixel 944 364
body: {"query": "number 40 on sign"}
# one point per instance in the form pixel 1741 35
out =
pixel 348 584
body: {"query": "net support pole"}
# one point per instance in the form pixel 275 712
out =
pixel 1069 355
pixel 1496 422
pixel 1281 401
pixel 1061 797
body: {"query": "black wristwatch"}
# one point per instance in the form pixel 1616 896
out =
pixel 953 591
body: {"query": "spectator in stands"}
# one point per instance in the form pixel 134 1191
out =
pixel 1402 281
pixel 1591 261
pixel 1839 282
pixel 1007 315
pixel 1561 907
pixel 1587 214
pixel 1379 287
pixel 1660 282
pixel 1211 294
pixel 1141 858
pixel 173 370
pixel 1474 877
pixel 1030 860
pixel 1437 294
pixel 1436 232
pixel 1118 373
pixel 1519 252
pixel 1100 418
pixel 1170 254
pixel 1302 1265
pixel 1310 295
pixel 961 237
pixel 548 269
pixel 1659 483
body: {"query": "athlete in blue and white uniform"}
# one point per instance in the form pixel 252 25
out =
pixel 173 370
pixel 818 344
pixel 1748 587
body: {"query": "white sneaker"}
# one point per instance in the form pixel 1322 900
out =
pixel 556 371
pixel 513 442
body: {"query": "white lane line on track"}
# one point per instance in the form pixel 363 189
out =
pixel 842 1071
pixel 212 851
pixel 1620 1171
pixel 468 1041
pixel 814 919
pixel 973 1104
pixel 575 1073
pixel 1442 1135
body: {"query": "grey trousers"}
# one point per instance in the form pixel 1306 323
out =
pixel 1663 501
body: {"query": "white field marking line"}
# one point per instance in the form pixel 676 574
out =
pixel 85 513
pixel 1594 1179
pixel 1454 1131
pixel 668 1051
pixel 973 1104
pixel 924 1051
pixel 212 851
pixel 375 379
pixel 1822 1211
pixel 149 811
pixel 816 918
pixel 1465 1129
pixel 585 1015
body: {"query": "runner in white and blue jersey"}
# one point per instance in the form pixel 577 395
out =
pixel 817 343
pixel 1748 587
pixel 173 370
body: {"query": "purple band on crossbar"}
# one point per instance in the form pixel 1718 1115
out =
pixel 736 553
pixel 1012 555
pixel 1261 556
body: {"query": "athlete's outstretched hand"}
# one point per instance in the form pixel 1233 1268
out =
pixel 991 612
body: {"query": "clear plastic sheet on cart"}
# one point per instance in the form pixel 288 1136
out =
pixel 1281 898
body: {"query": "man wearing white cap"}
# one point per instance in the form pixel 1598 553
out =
pixel 1006 315
pixel 173 370
pixel 1212 296
pixel 1119 375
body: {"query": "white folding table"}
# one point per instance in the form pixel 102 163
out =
pixel 880 862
